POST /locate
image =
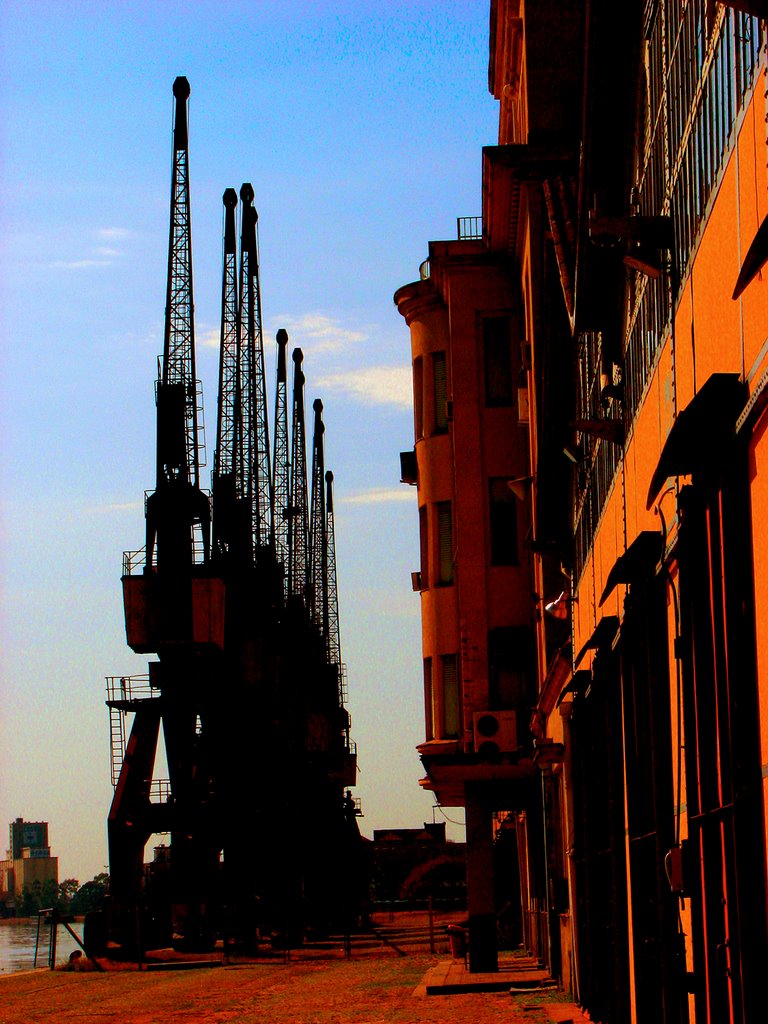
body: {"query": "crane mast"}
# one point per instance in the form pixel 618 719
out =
pixel 253 378
pixel 280 462
pixel 298 561
pixel 318 556
pixel 178 514
pixel 178 368
pixel 333 632
pixel 228 469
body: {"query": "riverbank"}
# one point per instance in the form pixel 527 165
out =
pixel 376 989
pixel 18 938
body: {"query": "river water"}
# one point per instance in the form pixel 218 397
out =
pixel 17 944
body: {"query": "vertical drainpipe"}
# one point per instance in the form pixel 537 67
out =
pixel 546 803
pixel 570 826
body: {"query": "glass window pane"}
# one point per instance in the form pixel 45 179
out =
pixel 429 699
pixel 450 697
pixel 445 543
pixel 424 546
pixel 418 397
pixel 440 392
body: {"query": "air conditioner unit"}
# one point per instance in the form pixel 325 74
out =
pixel 495 732
pixel 408 470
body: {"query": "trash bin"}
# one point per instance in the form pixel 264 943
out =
pixel 457 936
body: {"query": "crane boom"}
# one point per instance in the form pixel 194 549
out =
pixel 178 456
pixel 178 513
pixel 318 592
pixel 253 379
pixel 333 633
pixel 280 463
pixel 297 506
pixel 228 469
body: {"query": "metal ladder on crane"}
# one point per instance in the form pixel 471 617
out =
pixel 122 691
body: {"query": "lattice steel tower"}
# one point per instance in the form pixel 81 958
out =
pixel 253 379
pixel 298 511
pixel 177 498
pixel 318 556
pixel 280 463
pixel 229 477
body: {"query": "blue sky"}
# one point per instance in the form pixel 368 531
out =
pixel 360 126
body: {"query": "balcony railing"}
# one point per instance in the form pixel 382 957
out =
pixel 130 688
pixel 469 228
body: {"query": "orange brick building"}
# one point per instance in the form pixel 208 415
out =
pixel 590 368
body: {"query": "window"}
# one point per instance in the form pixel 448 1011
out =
pixel 503 523
pixel 450 697
pixel 440 393
pixel 510 655
pixel 418 397
pixel 497 356
pixel 429 700
pixel 444 544
pixel 424 547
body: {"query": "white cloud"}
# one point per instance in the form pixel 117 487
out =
pixel 377 385
pixel 102 255
pixel 79 264
pixel 209 337
pixel 116 506
pixel 377 496
pixel 112 234
pixel 317 332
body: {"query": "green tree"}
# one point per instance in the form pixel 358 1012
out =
pixel 90 895
pixel 31 896
pixel 67 890
pixel 49 894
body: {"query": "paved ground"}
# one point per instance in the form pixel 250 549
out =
pixel 372 991
pixel 385 981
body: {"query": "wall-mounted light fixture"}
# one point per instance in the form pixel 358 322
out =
pixel 520 486
pixel 572 453
pixel 558 608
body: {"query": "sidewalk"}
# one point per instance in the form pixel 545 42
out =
pixel 520 977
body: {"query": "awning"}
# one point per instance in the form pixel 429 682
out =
pixel 701 431
pixel 603 635
pixel 638 562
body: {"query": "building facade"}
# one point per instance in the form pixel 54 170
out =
pixel 623 241
pixel 28 861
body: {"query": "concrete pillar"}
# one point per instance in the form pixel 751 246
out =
pixel 483 955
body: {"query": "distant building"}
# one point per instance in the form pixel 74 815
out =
pixel 414 863
pixel 28 860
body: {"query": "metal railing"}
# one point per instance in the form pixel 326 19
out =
pixel 160 791
pixel 134 561
pixel 469 228
pixel 343 685
pixel 130 687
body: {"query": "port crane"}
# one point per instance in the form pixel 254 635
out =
pixel 235 595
